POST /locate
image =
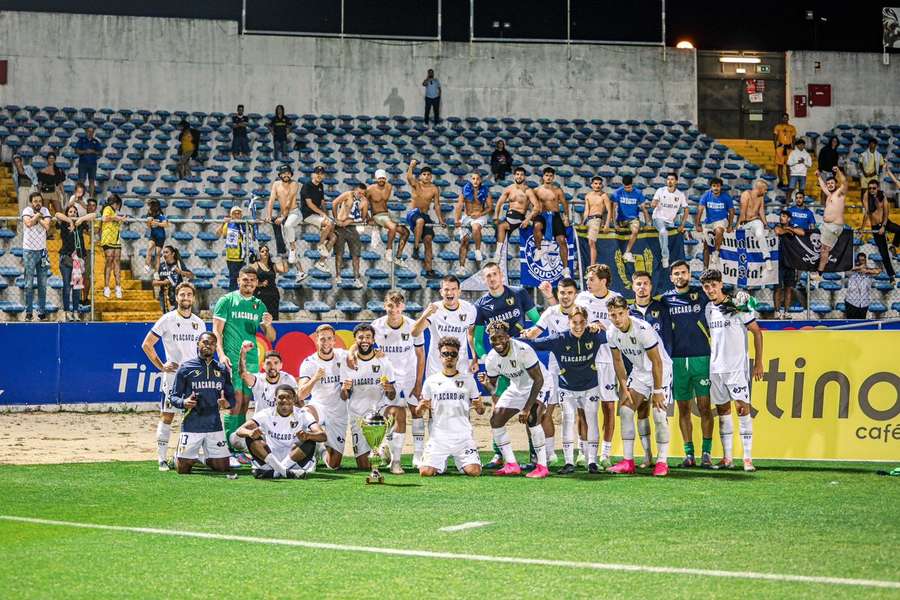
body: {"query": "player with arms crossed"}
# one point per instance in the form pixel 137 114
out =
pixel 283 437
pixel 179 330
pixel 448 394
pixel 523 397
pixel 367 388
pixel 424 195
pixel 596 203
pixel 320 380
pixel 729 365
pixel 202 387
pixel 236 318
pixel 523 209
pixel 650 382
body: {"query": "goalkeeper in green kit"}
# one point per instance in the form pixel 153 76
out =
pixel 236 318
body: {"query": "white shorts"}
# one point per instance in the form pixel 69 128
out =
pixel 213 444
pixel 517 400
pixel 553 397
pixel 642 383
pixel 314 219
pixel 404 395
pixel 755 227
pixel 437 450
pixel 720 224
pixel 829 233
pixel 467 221
pixel 606 382
pixel 587 400
pixel 725 387
pixel 335 425
pixel 165 405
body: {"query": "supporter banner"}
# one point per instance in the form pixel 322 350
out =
pixel 550 266
pixel 742 260
pixel 890 28
pixel 646 251
pixel 803 252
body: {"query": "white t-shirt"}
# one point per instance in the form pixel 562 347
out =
pixel 35 236
pixel 552 321
pixel 281 432
pixel 367 393
pixel 727 340
pixel 448 323
pixel 597 311
pixel 179 336
pixel 634 344
pixel 514 366
pixel 799 162
pixel 451 398
pixel 399 347
pixel 264 392
pixel 326 391
pixel 669 204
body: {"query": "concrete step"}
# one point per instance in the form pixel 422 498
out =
pixel 135 316
pixel 126 304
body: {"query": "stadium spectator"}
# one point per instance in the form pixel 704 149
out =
pixel 312 208
pixel 859 289
pixel 799 162
pixel 501 161
pixel 25 180
pixel 284 190
pixel 596 205
pixel 835 189
pixel 188 144
pixel 93 230
pixel 234 230
pixel 523 209
pixel 240 141
pixel 266 272
pixel 870 164
pixel 156 225
pixel 472 213
pixel 876 214
pixel 666 202
pixel 432 87
pixel 350 210
pixel 88 150
pixel 50 183
pixel 171 272
pixel 752 218
pixel 801 216
pixel 71 260
pixel 425 196
pixel 36 223
pixel 555 221
pixel 111 242
pixel 787 277
pixel 279 126
pixel 784 134
pixel 628 205
pixel 716 213
pixel 78 199
pixel 378 194
pixel 828 155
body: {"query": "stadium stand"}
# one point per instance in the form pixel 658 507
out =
pixel 139 162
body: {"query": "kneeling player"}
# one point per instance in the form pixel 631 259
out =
pixel 729 366
pixel 449 394
pixel 520 365
pixel 283 438
pixel 202 387
pixel 650 381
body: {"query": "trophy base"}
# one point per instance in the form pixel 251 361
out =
pixel 375 477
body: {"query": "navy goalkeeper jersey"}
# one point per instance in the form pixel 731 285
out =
pixel 208 380
pixel 511 307
pixel 576 356
pixel 687 311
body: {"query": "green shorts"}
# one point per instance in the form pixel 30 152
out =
pixel 691 377
pixel 252 366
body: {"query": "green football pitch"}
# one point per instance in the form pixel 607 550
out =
pixel 123 529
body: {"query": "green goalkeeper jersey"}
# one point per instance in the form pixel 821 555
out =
pixel 242 318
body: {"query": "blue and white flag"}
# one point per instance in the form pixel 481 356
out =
pixel 743 261
pixel 549 266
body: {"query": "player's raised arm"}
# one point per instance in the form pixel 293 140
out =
pixel 822 187
pixel 308 382
pixel 267 327
pixel 841 179
pixel 247 377
pixel 411 178
pixel 421 323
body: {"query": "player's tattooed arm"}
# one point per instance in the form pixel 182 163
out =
pixel 537 382
pixel 248 378
pixel 308 383
pixel 473 349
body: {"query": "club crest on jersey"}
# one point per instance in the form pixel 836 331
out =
pixel 510 301
pixel 694 296
pixel 459 383
pixel 512 362
pixel 462 317
pixel 589 345
pixel 293 424
pixel 654 314
pixel 405 336
pixel 217 373
pixel 633 339
pixel 376 368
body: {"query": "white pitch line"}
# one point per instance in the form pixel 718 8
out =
pixel 462 526
pixel 875 583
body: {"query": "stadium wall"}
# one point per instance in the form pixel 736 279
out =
pixel 863 88
pixel 186 64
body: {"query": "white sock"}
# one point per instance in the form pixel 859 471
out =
pixel 418 435
pixel 626 418
pixel 501 438
pixel 550 443
pixel 582 446
pixel 661 423
pixel 276 466
pixel 288 463
pixel 606 450
pixel 163 432
pixel 745 423
pixel 539 444
pixel 397 446
pixel 238 443
pixel 569 453
pixel 643 428
pixel 726 431
pixel 592 452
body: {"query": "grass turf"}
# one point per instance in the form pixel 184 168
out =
pixel 817 519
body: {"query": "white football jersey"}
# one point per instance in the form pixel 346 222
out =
pixel 449 323
pixel 179 337
pixel 326 391
pixel 264 392
pixel 597 311
pixel 634 344
pixel 514 366
pixel 281 432
pixel 669 204
pixel 451 398
pixel 728 340
pixel 399 346
pixel 553 320
pixel 367 393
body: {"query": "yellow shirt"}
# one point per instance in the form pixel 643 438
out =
pixel 109 234
pixel 187 143
pixel 785 133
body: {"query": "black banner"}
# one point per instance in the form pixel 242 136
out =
pixel 802 253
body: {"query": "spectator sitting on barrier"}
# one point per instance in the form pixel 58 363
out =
pixel 25 180
pixel 267 269
pixel 111 242
pixel 50 182
pixel 188 144
pixel 312 210
pixel 156 223
pixel 240 141
pixel 787 277
pixel 859 289
pixel 501 162
pixel 71 259
pixel 88 150
pixel 870 164
pixel 351 211
pixel 799 162
pixel 666 203
pixel 753 217
pixel 172 271
pixel 716 213
pixel 876 215
pixel 279 126
pixel 234 230
pixel 628 205
pixel 36 221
